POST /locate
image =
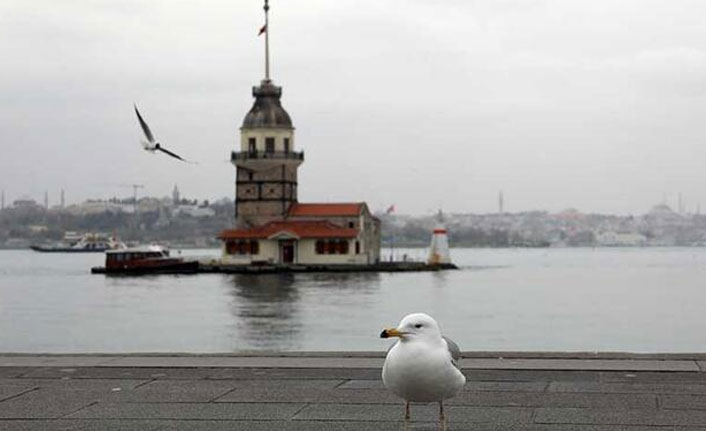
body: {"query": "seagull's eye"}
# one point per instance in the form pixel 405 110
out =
pixel 418 325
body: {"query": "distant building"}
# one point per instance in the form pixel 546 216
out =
pixel 270 224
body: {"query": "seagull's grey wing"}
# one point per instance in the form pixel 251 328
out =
pixel 145 128
pixel 454 351
pixel 169 153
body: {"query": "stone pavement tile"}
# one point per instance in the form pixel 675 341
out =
pixel 653 377
pixel 44 404
pixel 287 383
pixel 627 388
pixel 282 426
pixel 621 417
pixel 188 411
pixel 12 390
pixel 580 364
pixel 544 399
pixel 9 372
pixel 120 373
pixel 363 412
pixel 319 396
pixel 81 425
pixel 176 391
pixel 298 374
pixel 683 402
pixel 470 386
pixel 531 376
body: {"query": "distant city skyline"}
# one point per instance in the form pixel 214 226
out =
pixel 560 104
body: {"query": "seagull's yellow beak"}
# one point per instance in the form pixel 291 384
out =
pixel 391 332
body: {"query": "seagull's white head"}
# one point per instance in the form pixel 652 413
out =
pixel 414 326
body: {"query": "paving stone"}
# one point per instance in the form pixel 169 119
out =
pixel 288 383
pixel 320 396
pixel 627 388
pixel 120 373
pixel 653 377
pixel 360 412
pixel 45 404
pixel 81 425
pixel 683 402
pixel 621 417
pixel 470 386
pixel 531 376
pixel 11 391
pixel 544 399
pixel 580 364
pixel 282 426
pixel 189 411
pixel 9 372
pixel 170 391
pixel 297 374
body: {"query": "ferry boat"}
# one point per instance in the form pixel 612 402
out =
pixel 151 259
pixel 87 243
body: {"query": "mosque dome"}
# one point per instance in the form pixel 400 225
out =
pixel 267 111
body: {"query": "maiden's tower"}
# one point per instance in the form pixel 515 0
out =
pixel 271 225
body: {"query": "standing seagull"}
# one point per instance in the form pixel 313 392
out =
pixel 150 144
pixel 422 366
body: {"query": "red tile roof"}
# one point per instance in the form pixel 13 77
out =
pixel 326 209
pixel 299 229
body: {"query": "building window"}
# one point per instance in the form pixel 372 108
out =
pixel 320 246
pixel 252 145
pixel 351 224
pixel 331 246
pixel 343 247
pixel 286 145
pixel 250 176
pixel 242 247
pixel 357 247
pixel 270 145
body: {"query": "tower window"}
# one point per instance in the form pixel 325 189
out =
pixel 270 145
pixel 286 145
pixel 252 145
pixel 250 176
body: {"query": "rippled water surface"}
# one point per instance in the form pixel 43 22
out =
pixel 641 300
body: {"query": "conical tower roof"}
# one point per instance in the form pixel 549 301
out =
pixel 267 111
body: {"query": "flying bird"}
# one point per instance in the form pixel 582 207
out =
pixel 150 144
pixel 422 366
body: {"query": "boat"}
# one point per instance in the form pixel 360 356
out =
pixel 150 259
pixel 86 243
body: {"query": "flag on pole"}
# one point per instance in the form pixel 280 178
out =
pixel 262 29
pixel 390 209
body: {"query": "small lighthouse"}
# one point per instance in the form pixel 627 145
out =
pixel 439 248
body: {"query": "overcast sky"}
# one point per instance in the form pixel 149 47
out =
pixel 598 105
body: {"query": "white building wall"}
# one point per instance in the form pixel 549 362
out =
pixel 261 134
pixel 307 254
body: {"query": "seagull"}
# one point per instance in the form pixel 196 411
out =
pixel 422 366
pixel 150 144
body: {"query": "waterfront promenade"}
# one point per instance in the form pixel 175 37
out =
pixel 343 391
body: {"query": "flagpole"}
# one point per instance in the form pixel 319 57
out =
pixel 267 42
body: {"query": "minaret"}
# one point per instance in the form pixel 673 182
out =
pixel 501 203
pixel 63 202
pixel 266 165
pixel 46 200
pixel 2 200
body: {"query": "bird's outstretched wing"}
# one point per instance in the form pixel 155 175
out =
pixel 165 151
pixel 454 350
pixel 145 128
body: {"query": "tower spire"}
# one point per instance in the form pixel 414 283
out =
pixel 267 41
